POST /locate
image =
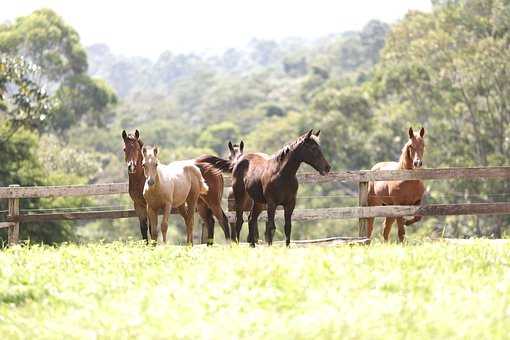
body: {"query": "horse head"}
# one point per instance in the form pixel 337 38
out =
pixel 150 163
pixel 236 151
pixel 132 150
pixel 309 151
pixel 416 148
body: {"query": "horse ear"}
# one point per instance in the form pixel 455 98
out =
pixel 137 134
pixel 317 133
pixel 124 134
pixel 241 146
pixel 411 133
pixel 308 134
pixel 422 132
pixel 230 147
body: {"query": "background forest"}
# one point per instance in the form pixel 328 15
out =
pixel 63 107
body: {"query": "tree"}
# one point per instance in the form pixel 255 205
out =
pixel 449 69
pixel 216 136
pixel 46 40
pixel 23 103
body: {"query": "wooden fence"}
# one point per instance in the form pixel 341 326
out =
pixel 15 193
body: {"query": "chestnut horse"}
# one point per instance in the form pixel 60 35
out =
pixel 272 181
pixel 176 185
pixel 399 192
pixel 207 207
pixel 133 157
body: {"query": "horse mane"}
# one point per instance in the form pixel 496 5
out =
pixel 283 152
pixel 404 154
pixel 216 162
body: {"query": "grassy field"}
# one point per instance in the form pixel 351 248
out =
pixel 431 290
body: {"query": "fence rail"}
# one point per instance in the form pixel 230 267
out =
pixel 14 193
pixel 342 176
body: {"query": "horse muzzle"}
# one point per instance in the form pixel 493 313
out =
pixel 418 163
pixel 326 170
pixel 131 167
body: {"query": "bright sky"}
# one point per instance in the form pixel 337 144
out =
pixel 149 27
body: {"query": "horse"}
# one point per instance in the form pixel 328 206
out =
pixel 133 157
pixel 272 180
pixel 236 151
pixel 207 206
pixel 176 185
pixel 408 192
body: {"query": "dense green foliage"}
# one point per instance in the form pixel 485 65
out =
pixel 379 292
pixel 44 88
pixel 446 70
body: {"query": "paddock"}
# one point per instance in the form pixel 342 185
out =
pixel 16 218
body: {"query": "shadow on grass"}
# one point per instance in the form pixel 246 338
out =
pixel 18 297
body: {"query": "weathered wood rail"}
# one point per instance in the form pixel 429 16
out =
pixel 14 193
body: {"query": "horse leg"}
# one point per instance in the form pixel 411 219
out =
pixel 288 210
pixel 240 198
pixel 222 219
pixel 401 229
pixel 256 209
pixel 270 225
pixel 164 222
pixel 208 223
pixel 141 212
pixel 153 224
pixel 388 222
pixel 256 235
pixel 183 211
pixel 190 217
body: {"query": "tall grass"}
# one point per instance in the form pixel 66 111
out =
pixel 124 290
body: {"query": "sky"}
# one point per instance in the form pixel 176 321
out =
pixel 149 27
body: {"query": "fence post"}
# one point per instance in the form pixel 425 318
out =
pixel 363 202
pixel 13 232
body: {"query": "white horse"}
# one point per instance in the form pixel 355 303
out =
pixel 176 185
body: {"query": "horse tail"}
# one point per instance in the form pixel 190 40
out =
pixel 204 188
pixel 217 163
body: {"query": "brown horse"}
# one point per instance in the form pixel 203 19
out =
pixel 236 151
pixel 272 181
pixel 133 157
pixel 399 192
pixel 207 207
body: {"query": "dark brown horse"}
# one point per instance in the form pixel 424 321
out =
pixel 399 192
pixel 272 180
pixel 236 151
pixel 207 207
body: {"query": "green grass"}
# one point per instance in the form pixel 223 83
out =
pixel 432 290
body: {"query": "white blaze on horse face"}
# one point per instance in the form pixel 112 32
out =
pixel 150 166
pixel 416 149
pixel 131 153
